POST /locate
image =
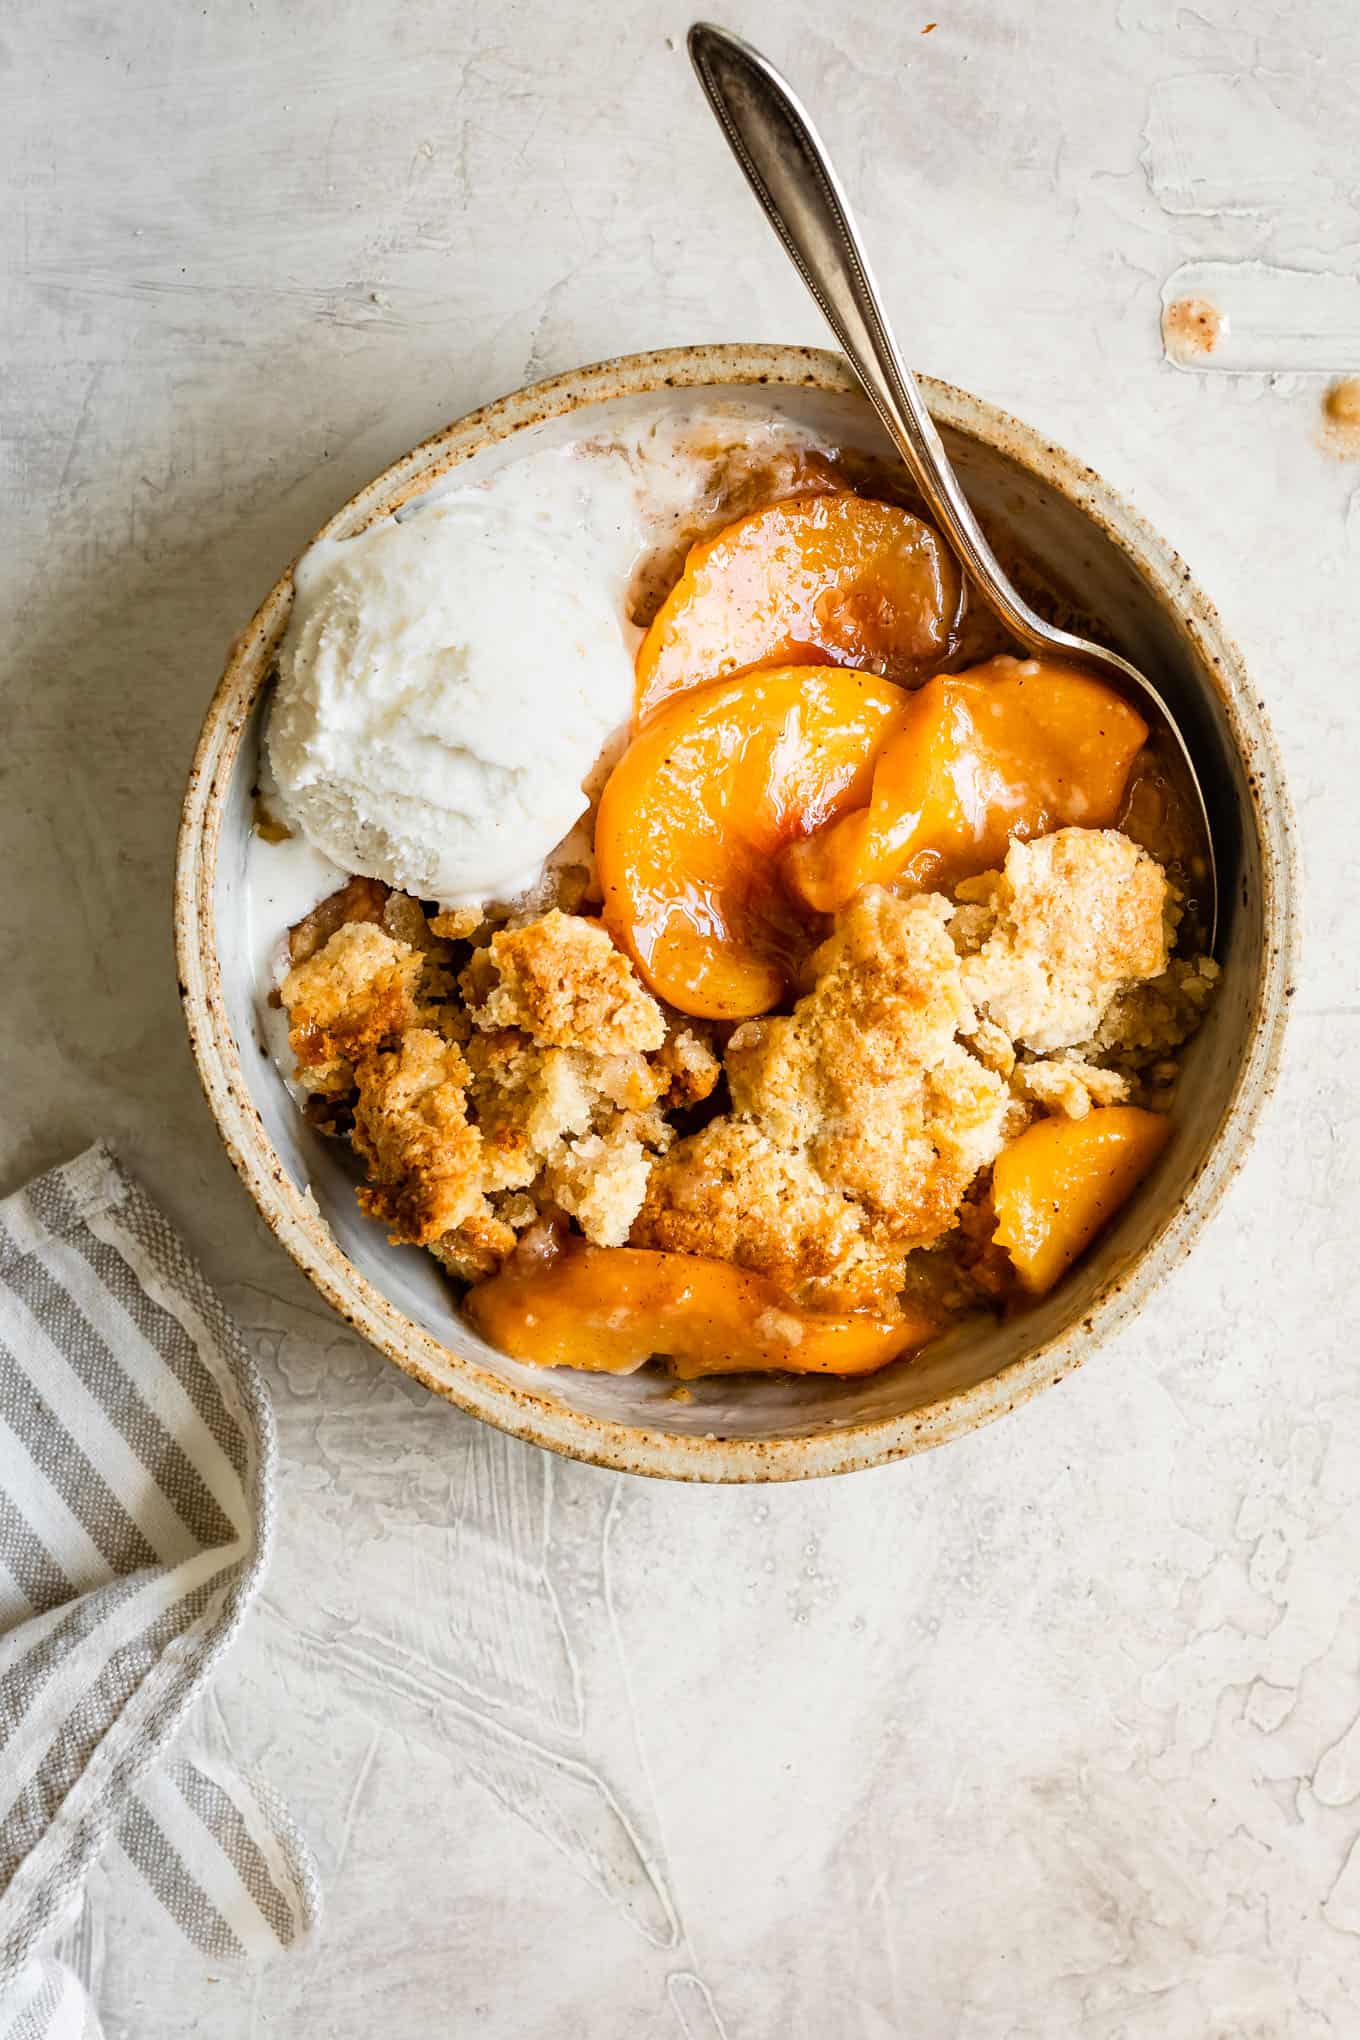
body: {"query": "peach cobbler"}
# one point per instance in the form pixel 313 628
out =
pixel 851 1005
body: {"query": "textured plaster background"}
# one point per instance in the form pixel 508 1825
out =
pixel 1056 1732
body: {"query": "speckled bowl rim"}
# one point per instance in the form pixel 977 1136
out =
pixel 292 1215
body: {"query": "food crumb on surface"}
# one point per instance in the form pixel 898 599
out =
pixel 1342 401
pixel 1191 327
pixel 1340 434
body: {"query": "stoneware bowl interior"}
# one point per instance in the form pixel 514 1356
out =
pixel 1075 528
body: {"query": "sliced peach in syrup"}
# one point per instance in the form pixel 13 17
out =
pixel 827 579
pixel 1064 1179
pixel 609 1309
pixel 1010 748
pixel 696 812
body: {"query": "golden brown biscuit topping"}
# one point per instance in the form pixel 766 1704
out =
pixel 562 980
pixel 1074 918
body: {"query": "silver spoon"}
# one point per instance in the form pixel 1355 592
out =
pixel 790 172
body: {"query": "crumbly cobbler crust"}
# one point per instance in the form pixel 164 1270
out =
pixel 1072 919
pixel 857 1123
pixel 539 1077
pixel 535 1076
pixel 561 980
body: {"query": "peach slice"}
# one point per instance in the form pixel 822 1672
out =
pixel 696 812
pixel 609 1309
pixel 1063 1179
pixel 1010 748
pixel 826 579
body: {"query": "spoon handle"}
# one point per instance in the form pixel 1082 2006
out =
pixel 787 167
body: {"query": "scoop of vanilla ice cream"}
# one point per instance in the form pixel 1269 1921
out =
pixel 447 684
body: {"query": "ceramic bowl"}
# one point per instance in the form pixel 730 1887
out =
pixel 787 1427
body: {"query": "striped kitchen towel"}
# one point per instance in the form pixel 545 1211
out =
pixel 136 1514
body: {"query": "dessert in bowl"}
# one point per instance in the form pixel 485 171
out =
pixel 701 936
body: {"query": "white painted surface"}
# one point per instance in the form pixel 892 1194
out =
pixel 1056 1732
